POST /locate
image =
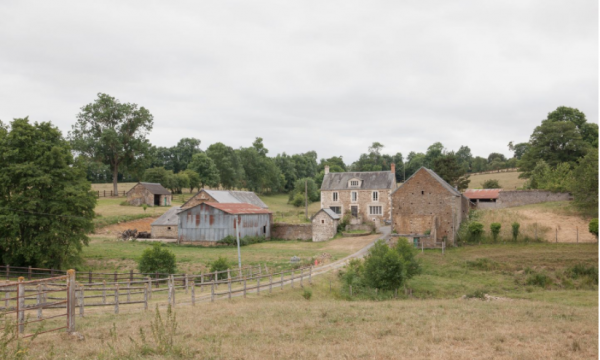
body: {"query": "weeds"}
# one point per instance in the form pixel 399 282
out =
pixel 483 264
pixel 477 294
pixel 541 280
pixel 307 294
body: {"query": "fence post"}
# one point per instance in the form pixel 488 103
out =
pixel 38 301
pixel 90 276
pixel 169 288
pixel 116 298
pixel 201 281
pixel 301 276
pixel 7 272
pixel 258 285
pixel 149 287
pixel 173 289
pixel 228 274
pixel 156 278
pixel 310 275
pixel 229 287
pixel 70 301
pixel 212 291
pixel 244 288
pixel 292 278
pixel 187 284
pixel 104 291
pixel 266 269
pixel 146 297
pixel 116 277
pixel 81 297
pixel 193 293
pixel 29 273
pixel 281 280
pixel 270 284
pixel 20 305
pixel 130 275
pixel 6 301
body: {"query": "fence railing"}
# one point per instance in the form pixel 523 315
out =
pixel 109 193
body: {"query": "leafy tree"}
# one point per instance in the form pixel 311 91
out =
pixel 449 169
pixel 221 264
pixel 159 175
pixel 414 162
pixel 384 268
pixel 593 227
pixel 588 131
pixel 491 184
pixel 518 149
pixel 496 157
pixel 475 230
pixel 206 169
pixel 305 164
pixel 334 162
pixel 515 230
pixel 183 152
pixel 298 200
pixel 313 191
pixel 408 252
pixel 262 174
pixel 287 167
pixel 113 133
pixel 479 164
pixel 180 181
pixel 435 151
pixel 543 177
pixel 46 205
pixel 584 185
pixel 194 179
pixel 228 163
pixel 495 228
pixel 464 157
pixel 157 259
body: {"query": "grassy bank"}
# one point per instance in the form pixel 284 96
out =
pixel 507 180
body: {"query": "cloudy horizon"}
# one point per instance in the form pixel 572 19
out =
pixel 332 76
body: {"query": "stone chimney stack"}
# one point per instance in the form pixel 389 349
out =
pixel 326 169
pixel 393 170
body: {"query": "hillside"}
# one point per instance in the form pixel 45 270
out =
pixel 508 180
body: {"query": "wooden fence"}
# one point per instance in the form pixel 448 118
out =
pixel 109 193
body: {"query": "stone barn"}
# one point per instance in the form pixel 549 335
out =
pixel 224 197
pixel 324 225
pixel 165 227
pixel 151 194
pixel 209 222
pixel 427 209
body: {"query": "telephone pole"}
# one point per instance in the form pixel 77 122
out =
pixel 306 199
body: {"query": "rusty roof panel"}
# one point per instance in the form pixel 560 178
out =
pixel 238 208
pixel 474 194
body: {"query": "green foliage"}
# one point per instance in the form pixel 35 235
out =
pixel 298 200
pixel 344 221
pixel 477 294
pixel 475 231
pixel 228 164
pixel 193 179
pixel 307 294
pixel 144 206
pixel 384 268
pixel 593 227
pixel 482 264
pixel 261 173
pixel 537 279
pixel 113 133
pixel 495 229
pixel 159 175
pixel 491 184
pixel 313 191
pixel 157 259
pixel 46 203
pixel 230 240
pixel 585 183
pixel 543 177
pixel 515 230
pixel 352 273
pixel 221 264
pixel 581 270
pixel 407 252
pixel 163 335
pixel 449 168
pixel 206 169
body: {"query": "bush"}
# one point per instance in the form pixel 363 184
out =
pixel 231 240
pixel 581 270
pixel 483 264
pixel 594 227
pixel 298 200
pixel 475 231
pixel 307 294
pixel 515 230
pixel 384 268
pixel 352 273
pixel 345 221
pixel 407 252
pixel 221 264
pixel 495 228
pixel 477 294
pixel 491 184
pixel 157 259
pixel 540 280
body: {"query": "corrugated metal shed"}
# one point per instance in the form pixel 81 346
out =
pixel 369 180
pixel 168 219
pixel 474 194
pixel 154 188
pixel 214 221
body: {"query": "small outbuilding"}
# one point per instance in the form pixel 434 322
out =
pixel 151 194
pixel 165 227
pixel 324 225
pixel 210 222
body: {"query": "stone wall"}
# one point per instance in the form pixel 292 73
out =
pixel 323 227
pixel 514 198
pixel 138 195
pixel 286 231
pixel 365 199
pixel 199 198
pixel 164 232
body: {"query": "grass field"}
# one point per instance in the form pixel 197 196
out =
pixel 559 321
pixel 507 180
pixel 110 211
pixel 109 186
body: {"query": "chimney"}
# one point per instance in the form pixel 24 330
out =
pixel 393 170
pixel 326 169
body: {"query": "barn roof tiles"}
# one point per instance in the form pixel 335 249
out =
pixel 237 208
pixel 369 180
pixel 474 194
pixel 168 219
pixel 443 182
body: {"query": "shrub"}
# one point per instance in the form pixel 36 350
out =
pixel 580 270
pixel 475 230
pixel 144 206
pixel 345 221
pixel 352 273
pixel 157 259
pixel 594 227
pixel 540 280
pixel 307 294
pixel 221 264
pixel 482 264
pixel 384 268
pixel 491 184
pixel 495 228
pixel 231 240
pixel 515 230
pixel 298 200
pixel 477 294
pixel 407 252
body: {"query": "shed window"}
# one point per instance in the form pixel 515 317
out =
pixel 422 192
pixel 335 196
pixel 375 195
pixel 322 221
pixel 168 228
pixel 354 196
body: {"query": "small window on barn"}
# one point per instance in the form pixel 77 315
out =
pixel 422 192
pixel 322 221
pixel 264 229
pixel 168 228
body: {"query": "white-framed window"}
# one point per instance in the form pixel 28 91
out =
pixel 335 196
pixel 354 183
pixel 375 210
pixel 375 196
pixel 336 209
pixel 354 196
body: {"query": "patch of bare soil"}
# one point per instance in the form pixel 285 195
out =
pixel 350 243
pixel 117 229
pixel 486 297
pixel 563 226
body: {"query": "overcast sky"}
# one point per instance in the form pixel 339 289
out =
pixel 329 76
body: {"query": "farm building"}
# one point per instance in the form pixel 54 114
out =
pixel 224 197
pixel 209 222
pixel 165 227
pixel 427 209
pixel 151 194
pixel 366 195
pixel 324 225
pixel 498 198
pixel 482 195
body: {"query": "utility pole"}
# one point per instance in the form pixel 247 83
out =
pixel 237 235
pixel 306 199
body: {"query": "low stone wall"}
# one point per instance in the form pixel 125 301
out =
pixel 514 198
pixel 164 232
pixel 363 227
pixel 287 231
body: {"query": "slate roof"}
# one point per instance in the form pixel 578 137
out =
pixel 443 182
pixel 329 212
pixel 474 194
pixel 232 197
pixel 154 188
pixel 370 180
pixel 169 218
pixel 237 208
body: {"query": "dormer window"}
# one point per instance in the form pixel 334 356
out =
pixel 354 183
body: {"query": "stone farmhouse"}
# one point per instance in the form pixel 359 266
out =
pixel 165 227
pixel 151 194
pixel 428 210
pixel 365 195
pixel 224 197
pixel 324 224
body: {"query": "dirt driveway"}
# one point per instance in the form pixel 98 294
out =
pixel 117 229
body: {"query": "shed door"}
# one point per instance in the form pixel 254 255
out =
pixel 157 200
pixel 416 242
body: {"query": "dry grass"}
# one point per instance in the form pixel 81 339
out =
pixel 109 187
pixel 286 326
pixel 507 180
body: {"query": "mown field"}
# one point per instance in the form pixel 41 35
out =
pixel 507 180
pixel 527 321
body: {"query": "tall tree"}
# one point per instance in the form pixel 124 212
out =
pixel 206 169
pixel 585 183
pixel 113 133
pixel 449 169
pixel 434 151
pixel 183 152
pixel 46 204
pixel 518 149
pixel 465 157
pixel 228 162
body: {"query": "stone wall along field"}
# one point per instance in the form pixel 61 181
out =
pixel 286 231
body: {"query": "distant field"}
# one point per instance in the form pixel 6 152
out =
pixel 284 212
pixel 109 187
pixel 507 180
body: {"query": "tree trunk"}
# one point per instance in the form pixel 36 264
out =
pixel 115 178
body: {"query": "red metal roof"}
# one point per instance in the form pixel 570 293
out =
pixel 474 194
pixel 238 209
